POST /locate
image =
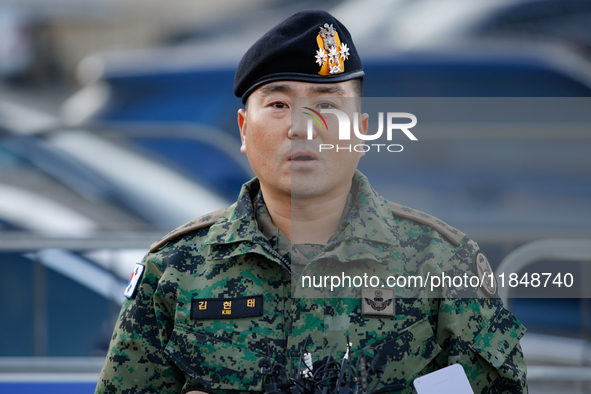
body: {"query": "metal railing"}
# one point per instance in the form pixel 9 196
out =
pixel 26 242
pixel 556 249
pixel 573 356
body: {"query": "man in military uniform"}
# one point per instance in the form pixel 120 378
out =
pixel 218 294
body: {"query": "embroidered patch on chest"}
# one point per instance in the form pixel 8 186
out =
pixel 227 308
pixel 377 301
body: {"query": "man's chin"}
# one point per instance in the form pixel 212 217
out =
pixel 307 190
pixel 305 182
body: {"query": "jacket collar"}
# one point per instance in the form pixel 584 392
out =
pixel 368 230
pixel 237 223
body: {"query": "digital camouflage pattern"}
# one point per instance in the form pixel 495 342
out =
pixel 158 348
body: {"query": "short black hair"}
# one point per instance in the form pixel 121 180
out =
pixel 358 86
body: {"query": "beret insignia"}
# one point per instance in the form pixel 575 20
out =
pixel 331 53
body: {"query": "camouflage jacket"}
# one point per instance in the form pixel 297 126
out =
pixel 214 298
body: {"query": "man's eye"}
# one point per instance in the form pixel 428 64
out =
pixel 279 105
pixel 325 106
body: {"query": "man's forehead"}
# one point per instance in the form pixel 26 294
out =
pixel 304 89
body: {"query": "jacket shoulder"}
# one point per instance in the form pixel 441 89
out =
pixel 454 236
pixel 195 224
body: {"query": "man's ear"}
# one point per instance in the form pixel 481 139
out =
pixel 363 126
pixel 242 127
pixel 363 123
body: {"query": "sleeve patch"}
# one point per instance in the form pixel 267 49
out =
pixel 484 271
pixel 134 280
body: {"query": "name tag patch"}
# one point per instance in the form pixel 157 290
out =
pixel 227 308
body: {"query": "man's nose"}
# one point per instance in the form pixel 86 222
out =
pixel 302 127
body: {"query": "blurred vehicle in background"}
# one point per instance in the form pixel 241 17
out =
pixel 111 187
pixel 201 153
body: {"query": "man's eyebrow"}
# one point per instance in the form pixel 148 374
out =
pixel 276 88
pixel 327 89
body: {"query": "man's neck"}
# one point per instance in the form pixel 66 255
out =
pixel 306 220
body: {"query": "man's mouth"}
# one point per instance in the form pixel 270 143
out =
pixel 303 158
pixel 303 155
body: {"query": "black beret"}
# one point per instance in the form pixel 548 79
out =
pixel 310 46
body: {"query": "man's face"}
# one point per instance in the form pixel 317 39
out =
pixel 280 154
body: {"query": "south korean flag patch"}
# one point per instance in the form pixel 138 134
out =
pixel 134 280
